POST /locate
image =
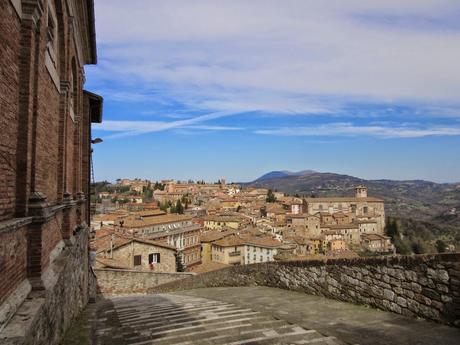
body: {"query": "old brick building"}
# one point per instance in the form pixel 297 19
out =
pixel 45 133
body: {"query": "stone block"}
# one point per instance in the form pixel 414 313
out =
pixel 401 301
pixel 432 294
pixel 416 287
pixel 388 294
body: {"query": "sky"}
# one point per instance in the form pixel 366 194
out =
pixel 206 89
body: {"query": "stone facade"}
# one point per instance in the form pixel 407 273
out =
pixel 45 315
pixel 125 254
pixel 127 282
pixel 358 209
pixel 426 286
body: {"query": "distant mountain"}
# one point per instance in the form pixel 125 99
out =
pixel 283 173
pixel 438 203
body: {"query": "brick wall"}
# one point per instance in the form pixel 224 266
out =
pixel 51 236
pixel 9 81
pixel 426 286
pixel 41 147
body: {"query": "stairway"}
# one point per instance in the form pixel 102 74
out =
pixel 185 320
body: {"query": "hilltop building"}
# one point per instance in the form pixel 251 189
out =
pixel 360 209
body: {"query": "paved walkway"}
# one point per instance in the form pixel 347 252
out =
pixel 185 320
pixel 248 315
pixel 350 323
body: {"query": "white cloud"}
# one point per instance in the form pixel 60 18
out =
pixel 130 128
pixel 348 129
pixel 254 55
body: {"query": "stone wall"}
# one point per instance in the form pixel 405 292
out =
pixel 119 282
pixel 426 286
pixel 45 315
pixel 13 257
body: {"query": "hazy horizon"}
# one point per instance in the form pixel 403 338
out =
pixel 230 180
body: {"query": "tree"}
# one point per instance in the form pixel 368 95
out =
pixel 179 208
pixel 164 207
pixel 179 266
pixel 391 229
pixel 441 246
pixel 401 247
pixel 418 247
pixel 270 196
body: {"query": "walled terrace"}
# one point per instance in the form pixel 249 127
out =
pixel 388 300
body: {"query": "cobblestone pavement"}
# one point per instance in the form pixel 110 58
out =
pixel 177 319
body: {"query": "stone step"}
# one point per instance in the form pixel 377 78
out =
pixel 183 320
pixel 213 329
pixel 205 333
pixel 177 313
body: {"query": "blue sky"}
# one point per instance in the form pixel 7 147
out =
pixel 213 88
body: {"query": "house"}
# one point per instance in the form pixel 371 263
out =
pixel 259 249
pixel 207 239
pixel 139 254
pixel 336 245
pixel 221 222
pixel 246 247
pixel 377 243
pixel 350 232
pixel 227 250
pixel 178 231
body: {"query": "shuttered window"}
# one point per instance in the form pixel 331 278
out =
pixel 137 260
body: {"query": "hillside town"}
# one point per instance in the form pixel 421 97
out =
pixel 188 226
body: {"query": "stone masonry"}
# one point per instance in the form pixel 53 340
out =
pixel 426 286
pixel 45 315
pixel 125 282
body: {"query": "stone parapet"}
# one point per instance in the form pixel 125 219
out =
pixel 426 286
pixel 129 282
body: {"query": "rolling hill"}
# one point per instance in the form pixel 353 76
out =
pixel 283 173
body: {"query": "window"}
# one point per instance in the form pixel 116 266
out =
pixel 52 44
pixel 365 209
pixel 137 260
pixel 52 34
pixel 154 258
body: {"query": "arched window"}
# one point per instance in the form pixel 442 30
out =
pixel 52 37
pixel 73 81
pixel 53 43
